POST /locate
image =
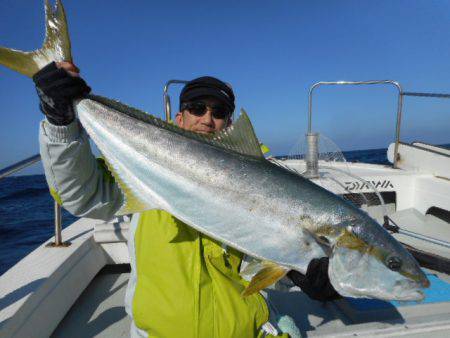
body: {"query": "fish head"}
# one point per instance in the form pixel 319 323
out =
pixel 367 262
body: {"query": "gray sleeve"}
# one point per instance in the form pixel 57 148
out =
pixel 77 180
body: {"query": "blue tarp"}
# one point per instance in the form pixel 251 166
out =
pixel 439 291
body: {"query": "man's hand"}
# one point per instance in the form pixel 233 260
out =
pixel 57 85
pixel 316 283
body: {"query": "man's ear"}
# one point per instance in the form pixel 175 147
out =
pixel 179 119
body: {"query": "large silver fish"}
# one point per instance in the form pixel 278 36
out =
pixel 222 186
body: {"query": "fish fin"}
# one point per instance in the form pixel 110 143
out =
pixel 282 164
pixel 264 149
pixel 240 137
pixel 132 204
pixel 56 45
pixel 269 274
pixel 251 268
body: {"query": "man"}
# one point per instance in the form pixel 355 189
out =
pixel 182 283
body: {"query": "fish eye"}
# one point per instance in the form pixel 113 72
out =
pixel 394 263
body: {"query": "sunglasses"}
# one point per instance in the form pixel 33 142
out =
pixel 199 108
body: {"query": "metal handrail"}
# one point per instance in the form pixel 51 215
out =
pixel 25 164
pixel 435 95
pixel 370 82
pixel 19 166
pixel 166 97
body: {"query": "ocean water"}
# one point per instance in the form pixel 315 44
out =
pixel 26 210
pixel 26 217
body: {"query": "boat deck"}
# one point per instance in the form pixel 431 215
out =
pixel 99 311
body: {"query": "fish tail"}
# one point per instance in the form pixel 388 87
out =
pixel 56 45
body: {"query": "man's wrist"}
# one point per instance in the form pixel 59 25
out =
pixel 58 116
pixel 64 134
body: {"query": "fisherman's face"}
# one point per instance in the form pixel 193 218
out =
pixel 204 124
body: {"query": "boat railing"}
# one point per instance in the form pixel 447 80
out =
pixel 166 97
pixel 312 138
pixel 14 168
pixel 435 95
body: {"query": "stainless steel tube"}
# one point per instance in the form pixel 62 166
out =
pixel 19 166
pixel 58 226
pixel 312 155
pixel 166 97
pixel 434 95
pixel 167 107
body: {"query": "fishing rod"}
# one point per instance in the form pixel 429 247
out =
pixel 426 259
pixel 396 229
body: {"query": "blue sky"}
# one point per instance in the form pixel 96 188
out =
pixel 270 51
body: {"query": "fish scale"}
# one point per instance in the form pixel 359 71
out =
pixel 202 185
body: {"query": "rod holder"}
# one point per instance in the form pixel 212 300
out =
pixel 312 155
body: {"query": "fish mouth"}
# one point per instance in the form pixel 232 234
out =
pixel 419 278
pixel 415 295
pixel 409 291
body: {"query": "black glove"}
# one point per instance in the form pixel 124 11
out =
pixel 316 283
pixel 57 89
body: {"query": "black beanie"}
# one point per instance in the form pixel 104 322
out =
pixel 208 86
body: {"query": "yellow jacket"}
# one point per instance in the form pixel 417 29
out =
pixel 188 285
pixel 182 283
